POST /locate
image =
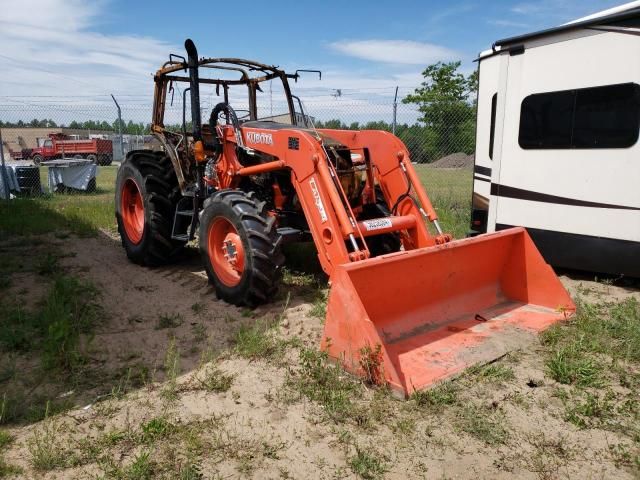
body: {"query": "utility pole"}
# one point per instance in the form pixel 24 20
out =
pixel 119 126
pixel 395 111
pixel 5 177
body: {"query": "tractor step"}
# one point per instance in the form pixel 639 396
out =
pixel 290 235
pixel 182 220
pixel 180 237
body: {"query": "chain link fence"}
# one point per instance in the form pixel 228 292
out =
pixel 65 147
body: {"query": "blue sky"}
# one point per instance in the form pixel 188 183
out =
pixel 71 47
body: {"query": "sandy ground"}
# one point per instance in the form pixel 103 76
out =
pixel 257 429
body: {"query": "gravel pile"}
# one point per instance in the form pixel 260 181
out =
pixel 455 160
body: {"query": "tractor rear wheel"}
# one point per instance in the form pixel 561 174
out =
pixel 147 193
pixel 240 247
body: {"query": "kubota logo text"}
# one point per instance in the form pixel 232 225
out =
pixel 318 200
pixel 259 137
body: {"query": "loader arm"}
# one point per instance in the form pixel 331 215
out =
pixel 330 218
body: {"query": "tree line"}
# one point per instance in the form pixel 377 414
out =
pixel 129 128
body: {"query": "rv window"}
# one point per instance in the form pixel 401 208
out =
pixel 598 117
pixel 492 132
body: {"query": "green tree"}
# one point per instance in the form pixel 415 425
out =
pixel 446 101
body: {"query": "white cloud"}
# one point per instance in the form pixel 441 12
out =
pixel 509 23
pixel 395 51
pixel 50 47
pixel 54 48
pixel 559 10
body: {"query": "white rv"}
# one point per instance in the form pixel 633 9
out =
pixel 557 147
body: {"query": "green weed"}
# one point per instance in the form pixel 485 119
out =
pixel 7 470
pixel 592 409
pixel 569 366
pixel 69 311
pixel 197 308
pixel 48 264
pixel 437 397
pixel 494 372
pixel 46 448
pixel 319 306
pixel 213 379
pixel 326 383
pixel 172 370
pixel 483 424
pixel 169 320
pixel 367 464
pixel 156 428
pixel 258 341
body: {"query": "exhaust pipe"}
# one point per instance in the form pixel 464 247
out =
pixel 192 64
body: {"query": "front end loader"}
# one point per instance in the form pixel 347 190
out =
pixel 404 296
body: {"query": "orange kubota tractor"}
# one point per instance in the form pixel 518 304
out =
pixel 402 291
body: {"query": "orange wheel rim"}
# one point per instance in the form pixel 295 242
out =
pixel 132 210
pixel 226 251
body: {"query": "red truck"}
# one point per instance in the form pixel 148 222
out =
pixel 59 145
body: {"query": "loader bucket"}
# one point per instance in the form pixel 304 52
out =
pixel 428 314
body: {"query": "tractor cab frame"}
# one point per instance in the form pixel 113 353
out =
pixel 251 74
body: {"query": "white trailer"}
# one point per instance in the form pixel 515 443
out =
pixel 557 146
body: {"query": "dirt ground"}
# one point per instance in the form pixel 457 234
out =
pixel 258 427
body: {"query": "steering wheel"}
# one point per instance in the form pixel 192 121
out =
pixel 231 118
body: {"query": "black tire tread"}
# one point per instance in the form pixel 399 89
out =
pixel 264 248
pixel 162 194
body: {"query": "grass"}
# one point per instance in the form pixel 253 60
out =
pixel 84 213
pixel 6 470
pixel 212 379
pixel 156 428
pixel 484 424
pixel 326 383
pixel 596 354
pixel 79 213
pixel 319 306
pixel 169 320
pixel 602 328
pixel 69 310
pixel 258 341
pixel 437 397
pixel 577 347
pixel 495 372
pixel 569 366
pixel 5 439
pixel 590 409
pixel 45 446
pixel 450 193
pixel 141 468
pixel 367 464
pixel 172 370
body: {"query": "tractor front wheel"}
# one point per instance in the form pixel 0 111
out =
pixel 147 193
pixel 240 247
